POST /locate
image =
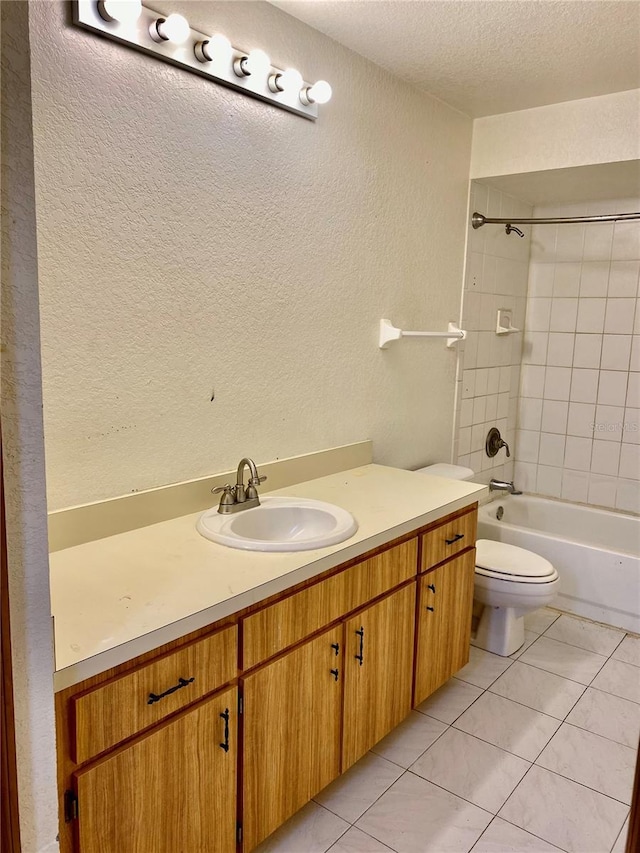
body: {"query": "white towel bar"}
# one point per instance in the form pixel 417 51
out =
pixel 389 333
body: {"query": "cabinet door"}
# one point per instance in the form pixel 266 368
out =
pixel 378 671
pixel 445 603
pixel 171 791
pixel 291 733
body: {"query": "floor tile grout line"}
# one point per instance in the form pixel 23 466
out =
pixel 493 680
pixel 458 796
pixel 342 834
pixel 596 734
pixel 621 831
pixel 582 648
pixel 395 763
pixel 535 666
pixel 590 622
pixel 553 844
pixel 404 770
pixel 484 690
pixel 368 834
pixel 537 710
pixel 531 761
pixel 425 714
pixel 511 795
pixel 589 731
pixel 353 826
pixel 463 799
pixel 582 784
pixel 607 693
pixel 494 745
pixel 571 646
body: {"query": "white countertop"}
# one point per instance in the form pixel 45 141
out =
pixel 116 598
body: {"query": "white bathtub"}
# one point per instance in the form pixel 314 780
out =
pixel 596 553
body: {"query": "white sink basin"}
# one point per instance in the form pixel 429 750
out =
pixel 279 524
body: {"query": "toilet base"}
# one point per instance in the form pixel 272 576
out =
pixel 500 630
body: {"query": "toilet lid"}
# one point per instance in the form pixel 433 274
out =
pixel 510 560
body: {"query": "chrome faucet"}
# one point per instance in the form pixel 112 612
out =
pixel 504 485
pixel 238 497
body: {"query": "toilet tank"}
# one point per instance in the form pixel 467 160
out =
pixel 444 469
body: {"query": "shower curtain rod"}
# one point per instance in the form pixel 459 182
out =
pixel 478 220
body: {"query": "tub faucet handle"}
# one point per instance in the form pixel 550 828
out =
pixel 494 442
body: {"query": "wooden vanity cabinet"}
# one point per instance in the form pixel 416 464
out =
pixel 168 791
pixel 445 604
pixel 292 711
pixel 210 743
pixel 378 672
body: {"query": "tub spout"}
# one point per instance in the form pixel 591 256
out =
pixel 503 485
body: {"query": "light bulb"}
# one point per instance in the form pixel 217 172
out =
pixel 257 62
pixel 216 49
pixel 175 29
pixel 319 93
pixel 290 80
pixel 123 11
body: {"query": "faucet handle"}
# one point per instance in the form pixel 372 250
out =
pixel 228 498
pixel 227 488
pixel 229 494
pixel 256 481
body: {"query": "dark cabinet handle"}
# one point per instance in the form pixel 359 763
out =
pixel 336 648
pixel 431 609
pixel 225 717
pixel 182 682
pixel 432 587
pixel 456 538
pixel 360 657
pixel 335 673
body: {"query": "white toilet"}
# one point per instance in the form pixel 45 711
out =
pixel 509 583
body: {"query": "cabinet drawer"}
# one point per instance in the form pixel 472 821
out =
pixel 448 539
pixel 280 625
pixel 112 712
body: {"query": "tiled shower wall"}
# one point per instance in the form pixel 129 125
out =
pixel 579 412
pixel 489 367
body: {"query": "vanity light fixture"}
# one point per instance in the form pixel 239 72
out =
pixel 289 80
pixel 175 29
pixel 319 93
pixel 122 11
pixel 169 37
pixel 256 62
pixel 216 49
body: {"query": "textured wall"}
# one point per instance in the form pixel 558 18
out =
pixel 23 451
pixel 575 133
pixel 495 277
pixel 191 238
pixel 579 414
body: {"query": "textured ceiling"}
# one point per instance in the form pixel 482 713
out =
pixel 490 56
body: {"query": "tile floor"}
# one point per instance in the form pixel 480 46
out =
pixel 529 754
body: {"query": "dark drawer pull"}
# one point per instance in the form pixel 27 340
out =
pixel 182 682
pixel 336 648
pixel 431 608
pixel 456 538
pixel 360 657
pixel 432 587
pixel 225 717
pixel 335 673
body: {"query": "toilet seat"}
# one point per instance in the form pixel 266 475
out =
pixel 512 564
